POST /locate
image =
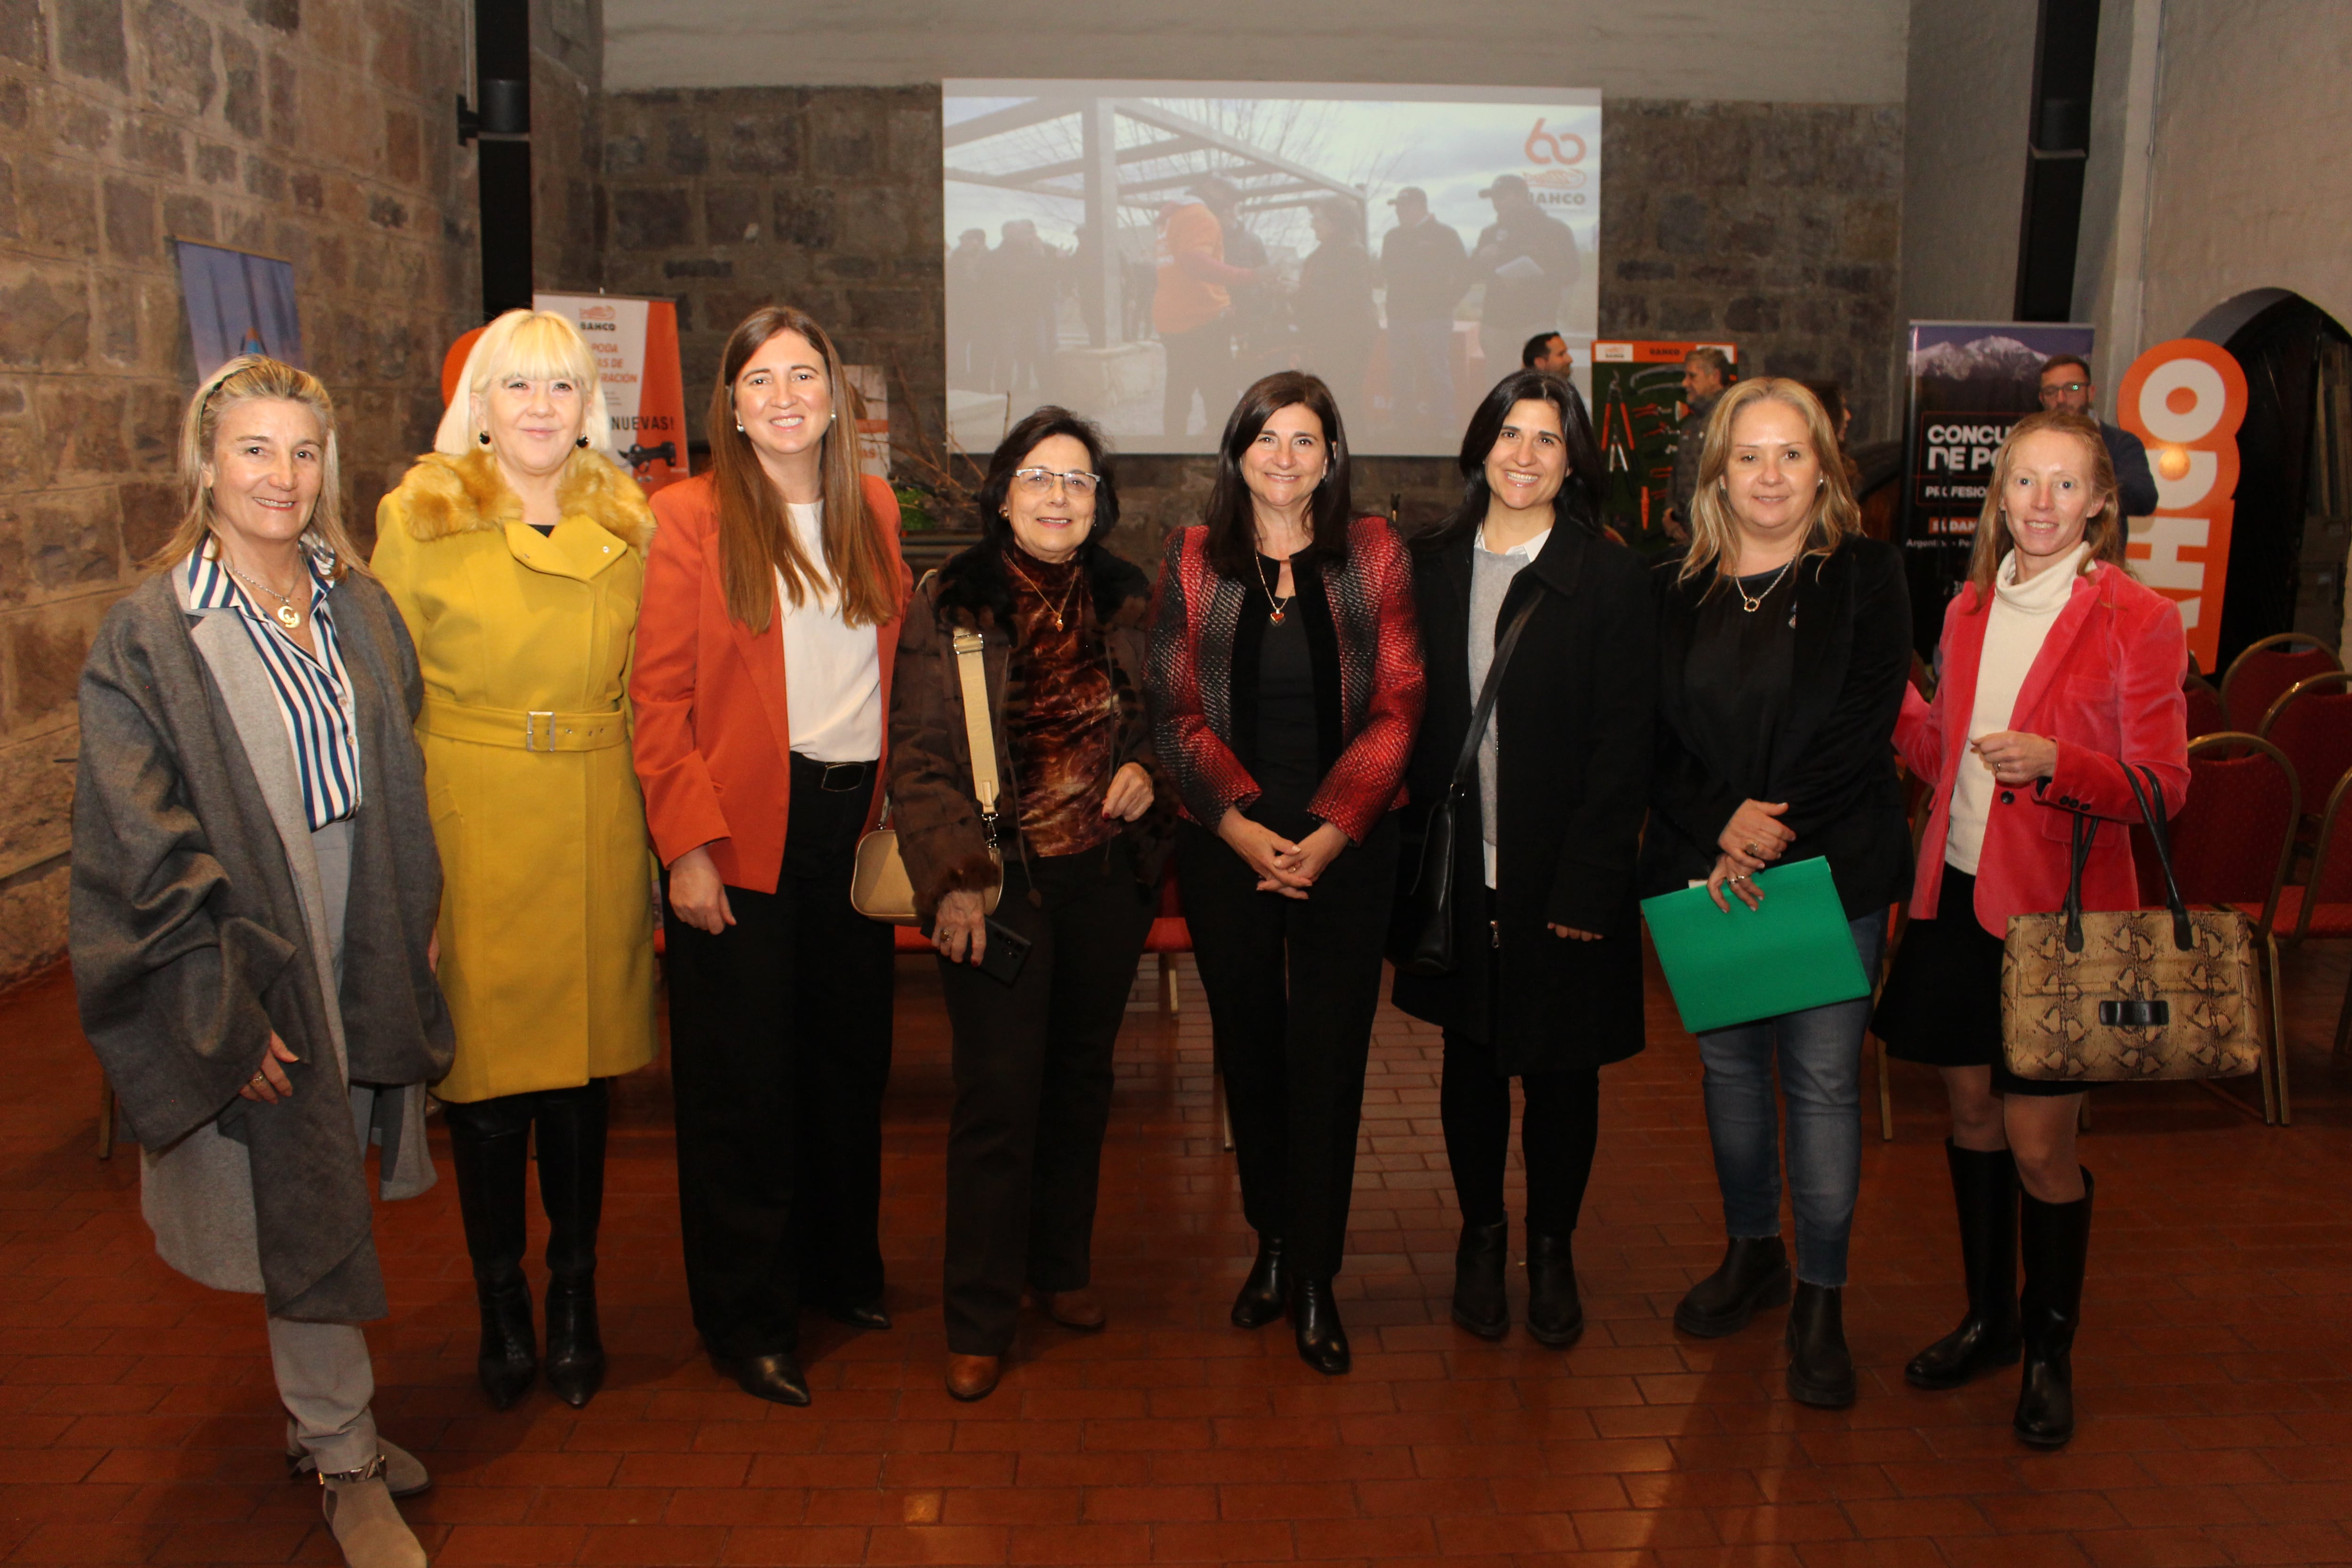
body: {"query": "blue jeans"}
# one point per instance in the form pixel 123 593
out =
pixel 1818 1054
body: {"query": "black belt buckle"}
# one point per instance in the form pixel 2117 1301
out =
pixel 851 774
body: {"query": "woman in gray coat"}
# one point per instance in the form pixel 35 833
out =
pixel 253 893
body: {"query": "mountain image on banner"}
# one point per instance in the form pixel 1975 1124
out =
pixel 1962 375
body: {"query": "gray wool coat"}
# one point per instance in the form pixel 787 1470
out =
pixel 199 926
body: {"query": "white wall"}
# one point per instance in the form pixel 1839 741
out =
pixel 1969 92
pixel 1804 51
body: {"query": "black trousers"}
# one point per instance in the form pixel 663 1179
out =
pixel 1033 1080
pixel 780 1050
pixel 1557 1131
pixel 1293 985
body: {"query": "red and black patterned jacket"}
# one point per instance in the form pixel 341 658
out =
pixel 1195 614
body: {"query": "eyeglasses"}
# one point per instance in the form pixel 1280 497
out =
pixel 1041 482
pixel 2063 388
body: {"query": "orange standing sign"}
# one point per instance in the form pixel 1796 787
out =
pixel 2185 399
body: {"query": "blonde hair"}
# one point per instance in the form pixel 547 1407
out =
pixel 251 378
pixel 539 345
pixel 1715 532
pixel 2104 531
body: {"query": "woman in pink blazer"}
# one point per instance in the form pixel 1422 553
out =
pixel 2059 670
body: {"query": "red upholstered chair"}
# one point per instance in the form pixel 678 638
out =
pixel 2312 723
pixel 2321 909
pixel 2206 716
pixel 2233 841
pixel 1169 936
pixel 2267 671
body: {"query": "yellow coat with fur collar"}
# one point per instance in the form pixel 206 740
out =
pixel 547 916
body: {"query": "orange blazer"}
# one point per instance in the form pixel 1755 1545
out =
pixel 713 742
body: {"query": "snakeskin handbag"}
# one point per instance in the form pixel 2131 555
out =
pixel 2130 995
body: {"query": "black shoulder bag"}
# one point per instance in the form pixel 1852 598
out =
pixel 1424 924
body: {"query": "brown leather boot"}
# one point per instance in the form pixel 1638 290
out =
pixel 971 1377
pixel 365 1521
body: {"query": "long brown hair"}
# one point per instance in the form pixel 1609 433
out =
pixel 1715 532
pixel 245 379
pixel 755 537
pixel 1233 525
pixel 2103 531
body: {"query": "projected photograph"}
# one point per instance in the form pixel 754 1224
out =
pixel 1141 251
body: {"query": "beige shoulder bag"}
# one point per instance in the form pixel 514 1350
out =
pixel 879 887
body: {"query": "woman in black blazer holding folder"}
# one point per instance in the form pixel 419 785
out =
pixel 1547 983
pixel 1784 641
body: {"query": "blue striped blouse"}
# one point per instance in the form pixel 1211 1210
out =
pixel 314 692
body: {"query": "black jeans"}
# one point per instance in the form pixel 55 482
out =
pixel 1557 1131
pixel 1293 986
pixel 1033 1080
pixel 780 1050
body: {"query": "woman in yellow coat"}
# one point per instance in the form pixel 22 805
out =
pixel 516 553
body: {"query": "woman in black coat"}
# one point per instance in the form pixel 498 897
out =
pixel 1547 983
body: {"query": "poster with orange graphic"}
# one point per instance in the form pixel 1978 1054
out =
pixel 635 344
pixel 1638 410
pixel 2185 399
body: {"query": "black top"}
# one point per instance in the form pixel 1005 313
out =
pixel 1741 663
pixel 1829 755
pixel 1288 765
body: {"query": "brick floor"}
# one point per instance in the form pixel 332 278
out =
pixel 137 1422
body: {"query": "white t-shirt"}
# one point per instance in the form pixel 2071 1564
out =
pixel 833 671
pixel 2022 615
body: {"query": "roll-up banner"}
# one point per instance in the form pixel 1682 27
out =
pixel 636 342
pixel 2184 401
pixel 1971 382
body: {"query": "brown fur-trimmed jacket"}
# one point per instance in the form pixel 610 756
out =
pixel 931 800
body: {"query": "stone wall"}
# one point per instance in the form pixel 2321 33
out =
pixel 316 132
pixel 1775 225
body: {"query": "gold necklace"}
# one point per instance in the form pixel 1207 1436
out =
pixel 288 616
pixel 1280 606
pixel 1755 604
pixel 1069 593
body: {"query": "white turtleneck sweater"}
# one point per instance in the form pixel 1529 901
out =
pixel 2022 615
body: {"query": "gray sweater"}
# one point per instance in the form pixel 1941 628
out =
pixel 199 926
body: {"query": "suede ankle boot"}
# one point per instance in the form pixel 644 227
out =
pixel 1754 1273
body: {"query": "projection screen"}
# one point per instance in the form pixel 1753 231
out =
pixel 1141 251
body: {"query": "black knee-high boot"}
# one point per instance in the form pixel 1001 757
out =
pixel 1984 1191
pixel 2057 1244
pixel 489 1144
pixel 571 1124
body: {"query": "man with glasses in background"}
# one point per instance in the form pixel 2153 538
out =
pixel 2066 387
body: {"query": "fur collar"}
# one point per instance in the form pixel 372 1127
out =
pixel 443 495
pixel 975 582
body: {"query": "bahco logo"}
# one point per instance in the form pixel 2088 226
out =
pixel 1554 146
pixel 598 313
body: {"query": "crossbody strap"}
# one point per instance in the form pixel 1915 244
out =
pixel 977 732
pixel 1485 709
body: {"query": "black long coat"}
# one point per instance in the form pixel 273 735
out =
pixel 1573 755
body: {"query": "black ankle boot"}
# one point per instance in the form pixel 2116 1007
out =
pixel 489 1145
pixel 1480 1303
pixel 2056 1241
pixel 571 1126
pixel 1984 1190
pixel 1266 1290
pixel 1754 1273
pixel 1820 1369
pixel 1314 1320
pixel 1555 1316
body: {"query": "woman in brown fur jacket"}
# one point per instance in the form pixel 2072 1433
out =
pixel 515 553
pixel 1082 824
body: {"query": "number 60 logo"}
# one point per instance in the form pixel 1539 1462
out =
pixel 1554 146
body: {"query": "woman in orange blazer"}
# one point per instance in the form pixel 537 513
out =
pixel 2059 672
pixel 773 593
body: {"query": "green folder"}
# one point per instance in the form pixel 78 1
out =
pixel 1796 951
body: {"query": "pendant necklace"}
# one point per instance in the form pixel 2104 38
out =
pixel 1069 593
pixel 1280 606
pixel 1753 605
pixel 288 616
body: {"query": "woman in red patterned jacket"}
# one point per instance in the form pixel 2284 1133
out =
pixel 1286 687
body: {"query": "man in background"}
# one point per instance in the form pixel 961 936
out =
pixel 1706 373
pixel 1191 305
pixel 2066 388
pixel 1547 351
pixel 1028 293
pixel 968 307
pixel 1527 258
pixel 1422 262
